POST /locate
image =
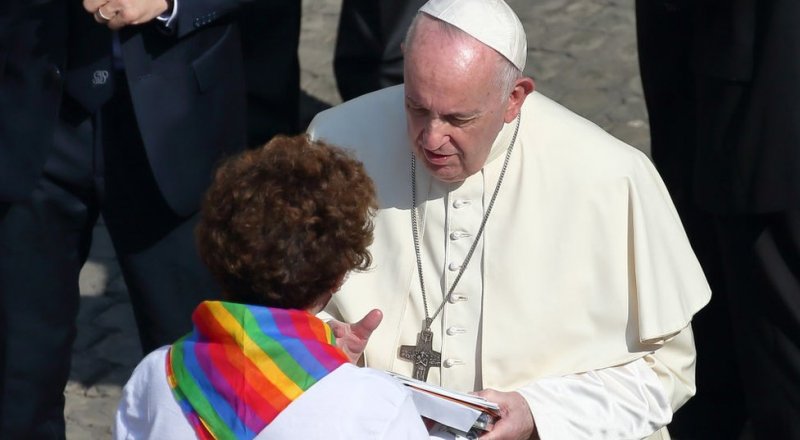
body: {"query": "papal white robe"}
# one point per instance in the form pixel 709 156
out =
pixel 583 271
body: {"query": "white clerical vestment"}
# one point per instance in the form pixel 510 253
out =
pixel 349 403
pixel 583 275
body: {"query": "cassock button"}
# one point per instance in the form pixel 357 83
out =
pixel 455 235
pixel 448 363
pixel 452 331
pixel 456 297
pixel 454 266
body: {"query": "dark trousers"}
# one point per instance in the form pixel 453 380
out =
pixel 368 55
pixel 748 337
pixel 762 260
pixel 664 35
pixel 97 166
pixel 270 39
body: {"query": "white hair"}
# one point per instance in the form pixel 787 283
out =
pixel 506 74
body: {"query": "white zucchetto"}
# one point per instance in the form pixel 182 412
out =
pixel 492 22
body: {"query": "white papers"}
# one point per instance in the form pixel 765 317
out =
pixel 457 410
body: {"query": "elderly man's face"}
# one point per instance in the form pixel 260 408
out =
pixel 454 107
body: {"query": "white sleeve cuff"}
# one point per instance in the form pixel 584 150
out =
pixel 622 402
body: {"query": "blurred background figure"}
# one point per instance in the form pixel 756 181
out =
pixel 368 54
pixel 721 84
pixel 367 57
pixel 101 116
pixel 270 39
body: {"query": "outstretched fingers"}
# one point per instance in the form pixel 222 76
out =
pixel 353 338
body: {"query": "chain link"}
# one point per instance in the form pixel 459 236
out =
pixel 415 229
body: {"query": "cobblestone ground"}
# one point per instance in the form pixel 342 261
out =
pixel 582 53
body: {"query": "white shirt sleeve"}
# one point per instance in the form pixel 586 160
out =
pixel 622 402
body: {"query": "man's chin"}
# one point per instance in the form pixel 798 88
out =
pixel 445 174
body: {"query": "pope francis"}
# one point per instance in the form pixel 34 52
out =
pixel 520 251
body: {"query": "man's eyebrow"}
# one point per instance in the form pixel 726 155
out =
pixel 463 116
pixel 467 115
pixel 459 115
pixel 411 101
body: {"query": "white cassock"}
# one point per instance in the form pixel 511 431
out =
pixel 349 403
pixel 580 292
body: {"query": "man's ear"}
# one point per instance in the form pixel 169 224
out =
pixel 522 88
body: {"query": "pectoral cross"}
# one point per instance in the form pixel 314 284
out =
pixel 422 354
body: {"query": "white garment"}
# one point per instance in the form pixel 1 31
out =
pixel 583 266
pixel 349 403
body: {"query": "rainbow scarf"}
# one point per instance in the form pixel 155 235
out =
pixel 242 365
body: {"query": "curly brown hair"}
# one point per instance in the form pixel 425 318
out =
pixel 282 224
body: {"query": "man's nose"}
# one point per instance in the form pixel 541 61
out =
pixel 434 135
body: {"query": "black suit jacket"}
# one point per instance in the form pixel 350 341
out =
pixel 186 85
pixel 31 59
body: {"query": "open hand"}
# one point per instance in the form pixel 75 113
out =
pixel 516 421
pixel 119 13
pixel 352 338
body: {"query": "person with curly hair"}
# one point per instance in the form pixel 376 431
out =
pixel 281 226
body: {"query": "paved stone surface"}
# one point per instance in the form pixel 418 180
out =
pixel 582 53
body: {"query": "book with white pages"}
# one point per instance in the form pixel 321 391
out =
pixel 460 411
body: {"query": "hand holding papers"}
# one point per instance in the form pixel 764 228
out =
pixel 464 413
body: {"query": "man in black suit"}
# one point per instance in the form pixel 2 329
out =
pixel 128 124
pixel 721 82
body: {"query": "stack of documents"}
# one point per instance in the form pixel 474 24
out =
pixel 459 411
